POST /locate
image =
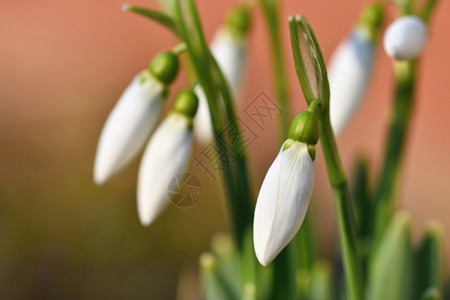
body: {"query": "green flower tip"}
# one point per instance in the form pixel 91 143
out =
pixel 402 220
pixel 249 290
pixel 371 20
pixel 165 67
pixel 305 128
pixel 222 244
pixel 207 261
pixel 238 20
pixel 186 103
pixel 431 293
pixel 125 7
pixel 435 228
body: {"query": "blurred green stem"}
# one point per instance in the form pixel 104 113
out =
pixel 346 218
pixel 405 77
pixel 271 14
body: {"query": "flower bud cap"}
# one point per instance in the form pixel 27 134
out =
pixel 186 103
pixel 164 67
pixel 371 20
pixel 305 128
pixel 238 20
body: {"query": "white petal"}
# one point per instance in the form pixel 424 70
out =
pixel 202 121
pixel 348 73
pixel 229 53
pixel 282 201
pixel 127 128
pixel 166 156
pixel 405 38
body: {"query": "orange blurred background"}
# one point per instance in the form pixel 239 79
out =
pixel 63 65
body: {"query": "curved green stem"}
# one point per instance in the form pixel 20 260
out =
pixel 226 128
pixel 346 218
pixel 405 77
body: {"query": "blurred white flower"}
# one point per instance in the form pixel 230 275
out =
pixel 350 67
pixel 405 38
pixel 283 200
pixel 348 73
pixel 128 126
pixel 166 156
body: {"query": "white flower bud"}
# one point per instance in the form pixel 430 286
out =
pixel 283 200
pixel 405 38
pixel 348 73
pixel 166 156
pixel 128 126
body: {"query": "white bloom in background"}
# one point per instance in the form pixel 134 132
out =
pixel 228 48
pixel 350 68
pixel 405 38
pixel 133 118
pixel 166 156
pixel 286 190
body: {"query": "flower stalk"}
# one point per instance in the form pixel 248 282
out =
pixel 314 83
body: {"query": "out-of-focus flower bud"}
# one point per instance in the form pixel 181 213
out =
pixel 405 38
pixel 133 117
pixel 350 67
pixel 166 156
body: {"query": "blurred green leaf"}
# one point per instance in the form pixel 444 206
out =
pixel 320 282
pixel 215 286
pixel 390 274
pixel 430 259
pixel 361 195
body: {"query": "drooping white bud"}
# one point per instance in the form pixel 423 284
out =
pixel 282 201
pixel 405 38
pixel 128 126
pixel 348 73
pixel 229 51
pixel 166 156
pixel 351 65
pixel 287 188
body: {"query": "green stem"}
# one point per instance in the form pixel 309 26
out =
pixel 226 127
pixel 405 76
pixel 271 14
pixel 346 218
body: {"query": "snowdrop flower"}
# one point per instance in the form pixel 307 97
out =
pixel 166 156
pixel 228 48
pixel 286 189
pixel 350 67
pixel 133 118
pixel 405 38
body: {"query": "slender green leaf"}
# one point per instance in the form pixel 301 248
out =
pixel 154 15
